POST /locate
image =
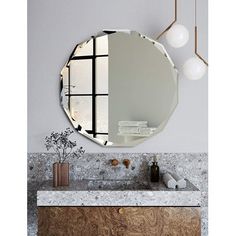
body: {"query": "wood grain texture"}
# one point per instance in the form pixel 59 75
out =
pixel 119 221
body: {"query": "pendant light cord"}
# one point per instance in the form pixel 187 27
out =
pixel 196 34
pixel 175 19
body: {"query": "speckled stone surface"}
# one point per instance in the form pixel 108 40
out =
pixel 78 194
pixel 193 166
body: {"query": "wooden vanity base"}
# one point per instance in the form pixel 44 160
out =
pixel 119 221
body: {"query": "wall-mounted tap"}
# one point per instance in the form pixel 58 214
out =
pixel 114 162
pixel 126 162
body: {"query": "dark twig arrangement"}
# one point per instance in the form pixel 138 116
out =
pixel 63 146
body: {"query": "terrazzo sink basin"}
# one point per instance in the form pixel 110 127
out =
pixel 117 185
pixel 116 193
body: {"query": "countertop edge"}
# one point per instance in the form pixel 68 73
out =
pixel 119 198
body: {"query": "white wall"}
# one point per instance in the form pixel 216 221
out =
pixel 55 26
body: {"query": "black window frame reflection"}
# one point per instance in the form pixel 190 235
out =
pixel 93 95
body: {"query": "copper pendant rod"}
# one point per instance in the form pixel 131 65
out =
pixel 195 30
pixel 196 37
pixel 196 51
pixel 175 19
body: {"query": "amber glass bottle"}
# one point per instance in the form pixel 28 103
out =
pixel 154 172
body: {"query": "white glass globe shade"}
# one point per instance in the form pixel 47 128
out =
pixel 194 68
pixel 177 36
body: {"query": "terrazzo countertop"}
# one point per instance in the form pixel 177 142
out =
pixel 116 193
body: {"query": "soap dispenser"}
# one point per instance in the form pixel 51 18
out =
pixel 155 170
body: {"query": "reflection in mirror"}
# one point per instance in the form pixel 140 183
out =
pixel 81 77
pixel 119 88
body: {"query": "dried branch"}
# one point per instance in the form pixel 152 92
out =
pixel 60 143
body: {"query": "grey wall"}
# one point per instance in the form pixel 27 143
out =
pixel 55 26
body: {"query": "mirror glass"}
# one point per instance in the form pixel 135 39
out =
pixel 119 88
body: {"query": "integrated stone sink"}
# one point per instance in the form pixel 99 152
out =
pixel 117 185
pixel 116 193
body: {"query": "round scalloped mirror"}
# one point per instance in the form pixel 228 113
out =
pixel 119 88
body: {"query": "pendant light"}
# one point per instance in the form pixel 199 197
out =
pixel 195 67
pixel 177 35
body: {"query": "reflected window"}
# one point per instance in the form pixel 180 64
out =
pixel 102 75
pixel 88 87
pixel 102 114
pixel 81 77
pixel 81 110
